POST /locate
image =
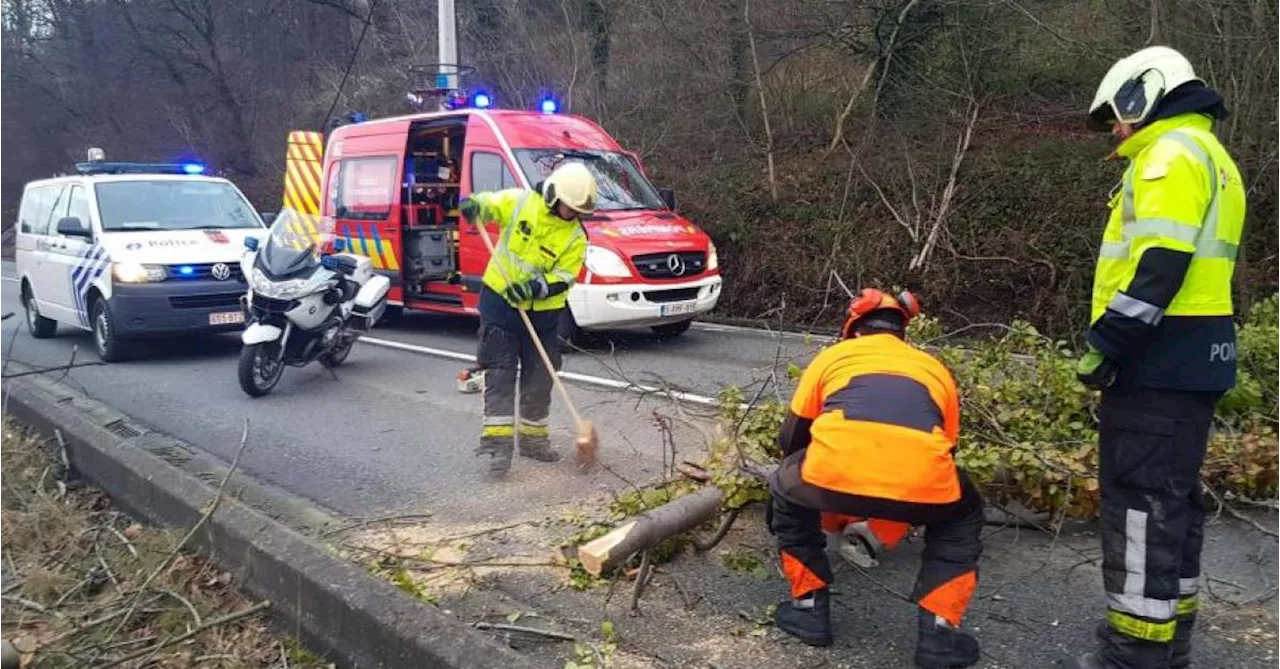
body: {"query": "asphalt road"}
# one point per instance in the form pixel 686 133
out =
pixel 391 433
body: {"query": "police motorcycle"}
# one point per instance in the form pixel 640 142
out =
pixel 304 304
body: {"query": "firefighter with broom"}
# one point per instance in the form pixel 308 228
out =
pixel 536 259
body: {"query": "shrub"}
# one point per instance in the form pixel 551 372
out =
pixel 1029 427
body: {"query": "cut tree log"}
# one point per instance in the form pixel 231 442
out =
pixel 650 529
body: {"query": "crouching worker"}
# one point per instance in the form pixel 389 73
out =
pixel 871 433
pixel 536 259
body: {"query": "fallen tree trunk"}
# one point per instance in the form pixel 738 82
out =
pixel 650 529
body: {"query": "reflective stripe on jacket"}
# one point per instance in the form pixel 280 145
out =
pixel 886 417
pixel 1161 304
pixel 534 244
pixel 1182 192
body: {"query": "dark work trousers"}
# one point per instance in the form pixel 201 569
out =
pixel 949 568
pixel 1151 446
pixel 509 357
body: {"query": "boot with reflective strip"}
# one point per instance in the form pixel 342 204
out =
pixel 941 646
pixel 807 618
pixel 535 441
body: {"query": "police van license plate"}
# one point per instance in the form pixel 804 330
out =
pixel 226 318
pixel 677 308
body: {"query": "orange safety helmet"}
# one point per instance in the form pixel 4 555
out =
pixel 870 300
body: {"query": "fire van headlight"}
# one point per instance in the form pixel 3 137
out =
pixel 132 272
pixel 603 262
pixel 279 290
pixel 713 258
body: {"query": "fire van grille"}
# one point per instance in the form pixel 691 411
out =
pixel 673 295
pixel 676 265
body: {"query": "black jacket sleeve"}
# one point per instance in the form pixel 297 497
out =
pixel 1131 319
pixel 794 434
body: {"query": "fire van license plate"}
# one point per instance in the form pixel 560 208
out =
pixel 226 318
pixel 679 308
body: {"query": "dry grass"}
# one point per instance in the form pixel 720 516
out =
pixel 73 567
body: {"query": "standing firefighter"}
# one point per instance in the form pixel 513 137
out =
pixel 870 433
pixel 1161 348
pixel 539 253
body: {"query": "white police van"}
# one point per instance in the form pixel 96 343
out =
pixel 128 250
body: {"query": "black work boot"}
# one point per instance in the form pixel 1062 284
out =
pixel 1120 651
pixel 941 646
pixel 538 448
pixel 1180 647
pixel 807 619
pixel 500 450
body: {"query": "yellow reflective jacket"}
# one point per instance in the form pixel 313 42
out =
pixel 1162 287
pixel 534 245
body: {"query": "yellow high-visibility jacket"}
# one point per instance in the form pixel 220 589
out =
pixel 1161 301
pixel 534 245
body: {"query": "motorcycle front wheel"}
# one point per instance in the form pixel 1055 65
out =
pixel 260 368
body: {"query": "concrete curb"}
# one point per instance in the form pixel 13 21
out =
pixel 333 606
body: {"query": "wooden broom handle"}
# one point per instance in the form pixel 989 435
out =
pixel 533 333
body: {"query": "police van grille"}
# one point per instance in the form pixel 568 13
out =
pixel 658 265
pixel 204 272
pixel 229 300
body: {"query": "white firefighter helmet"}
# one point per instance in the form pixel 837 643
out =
pixel 573 185
pixel 1134 86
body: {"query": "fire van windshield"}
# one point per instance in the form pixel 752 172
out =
pixel 172 205
pixel 622 185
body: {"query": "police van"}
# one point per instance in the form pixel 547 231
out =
pixel 128 250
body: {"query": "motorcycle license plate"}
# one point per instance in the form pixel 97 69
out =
pixel 678 308
pixel 226 318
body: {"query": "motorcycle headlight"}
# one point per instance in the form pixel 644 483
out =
pixel 713 258
pixel 132 272
pixel 278 290
pixel 603 262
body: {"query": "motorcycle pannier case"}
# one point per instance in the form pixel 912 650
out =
pixel 370 302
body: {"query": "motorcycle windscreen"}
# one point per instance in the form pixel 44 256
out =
pixel 295 244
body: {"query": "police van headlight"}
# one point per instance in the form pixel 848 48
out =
pixel 132 272
pixel 713 258
pixel 603 262
pixel 279 290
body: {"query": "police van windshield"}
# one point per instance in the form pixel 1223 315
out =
pixel 172 205
pixel 622 185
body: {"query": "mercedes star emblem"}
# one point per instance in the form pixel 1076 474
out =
pixel 675 264
pixel 221 272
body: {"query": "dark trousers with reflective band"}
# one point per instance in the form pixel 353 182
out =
pixel 509 356
pixel 949 568
pixel 1151 446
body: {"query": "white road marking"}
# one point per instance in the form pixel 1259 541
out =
pixel 761 332
pixel 570 376
pixel 8 278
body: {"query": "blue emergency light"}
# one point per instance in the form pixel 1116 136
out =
pixel 186 270
pixel 549 106
pixel 100 167
pixel 482 100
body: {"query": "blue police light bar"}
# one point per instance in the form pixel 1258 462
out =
pixel 482 100
pixel 549 106
pixel 97 167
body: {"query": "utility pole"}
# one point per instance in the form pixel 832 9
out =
pixel 448 29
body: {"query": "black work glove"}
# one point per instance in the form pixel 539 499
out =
pixel 519 293
pixel 471 210
pixel 1096 370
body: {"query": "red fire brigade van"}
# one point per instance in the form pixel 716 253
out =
pixel 394 185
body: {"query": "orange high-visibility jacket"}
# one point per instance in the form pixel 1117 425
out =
pixel 885 418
